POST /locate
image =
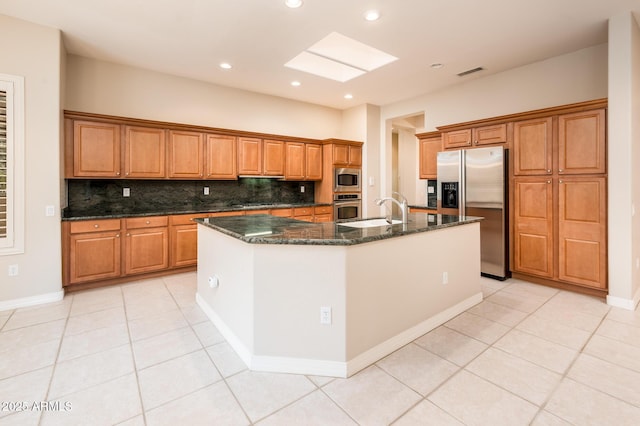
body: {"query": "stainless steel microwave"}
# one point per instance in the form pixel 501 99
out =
pixel 347 180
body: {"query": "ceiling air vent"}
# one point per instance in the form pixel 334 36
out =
pixel 471 71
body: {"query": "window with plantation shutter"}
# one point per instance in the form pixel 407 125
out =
pixel 3 164
pixel 11 164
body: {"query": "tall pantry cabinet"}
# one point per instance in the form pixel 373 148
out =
pixel 559 202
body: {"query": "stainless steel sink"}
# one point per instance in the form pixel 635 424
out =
pixel 370 223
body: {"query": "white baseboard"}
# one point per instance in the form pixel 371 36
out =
pixel 317 367
pixel 620 302
pixel 24 302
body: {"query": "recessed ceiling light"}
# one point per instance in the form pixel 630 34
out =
pixel 436 66
pixel 348 96
pixel 293 3
pixel 372 15
pixel 225 66
pixel 295 83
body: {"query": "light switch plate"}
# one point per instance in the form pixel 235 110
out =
pixel 126 192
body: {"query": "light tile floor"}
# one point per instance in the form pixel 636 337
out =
pixel 144 353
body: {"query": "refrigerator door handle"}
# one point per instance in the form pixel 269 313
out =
pixel 462 178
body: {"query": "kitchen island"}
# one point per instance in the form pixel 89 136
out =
pixel 328 298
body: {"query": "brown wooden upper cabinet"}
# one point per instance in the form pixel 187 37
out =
pixel 533 147
pixel 186 154
pixel 303 161
pixel 221 155
pixel 476 136
pixel 581 143
pixel 257 157
pixel 347 155
pixel 145 149
pixel 96 150
pixel 429 148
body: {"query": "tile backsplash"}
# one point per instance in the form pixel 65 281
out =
pixel 171 195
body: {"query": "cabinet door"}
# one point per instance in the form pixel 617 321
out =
pixel 273 161
pixel 429 149
pixel 487 135
pixel 533 226
pixel 186 155
pixel 532 147
pixel 249 156
pixel 94 256
pixel 457 139
pixel 221 157
pixel 581 143
pixel 146 250
pixel 313 163
pixel 144 152
pixel 96 149
pixel 295 161
pixel 582 225
pixel 184 245
pixel 355 156
pixel 340 155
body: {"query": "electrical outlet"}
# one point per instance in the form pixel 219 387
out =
pixel 126 192
pixel 445 278
pixel 50 211
pixel 325 315
pixel 13 270
pixel 206 190
pixel 301 188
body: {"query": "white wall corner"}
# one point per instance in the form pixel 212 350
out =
pixel 621 302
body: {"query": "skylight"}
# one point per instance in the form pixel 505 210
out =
pixel 340 58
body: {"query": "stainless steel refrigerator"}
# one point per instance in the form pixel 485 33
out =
pixel 473 183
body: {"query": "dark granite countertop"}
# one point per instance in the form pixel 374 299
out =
pixel 421 206
pixel 91 214
pixel 267 229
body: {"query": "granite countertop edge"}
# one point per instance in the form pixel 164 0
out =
pixel 358 235
pixel 90 215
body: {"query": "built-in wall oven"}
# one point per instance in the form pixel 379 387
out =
pixel 347 180
pixel 347 206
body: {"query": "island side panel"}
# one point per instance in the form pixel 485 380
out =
pixel 396 284
pixel 292 282
pixel 231 261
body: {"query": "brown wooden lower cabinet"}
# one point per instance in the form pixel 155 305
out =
pixel 567 243
pixel 146 245
pixel 94 251
pixel 107 251
pixel 582 225
pixel 533 226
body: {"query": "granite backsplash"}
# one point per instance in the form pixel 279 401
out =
pixel 164 195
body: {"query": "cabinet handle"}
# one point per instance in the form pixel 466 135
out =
pixel 117 173
pixel 476 142
pixel 147 222
pixel 560 181
pixel 96 226
pixel 561 170
pixel 117 235
pixel 548 181
pixel 548 170
pixel 128 234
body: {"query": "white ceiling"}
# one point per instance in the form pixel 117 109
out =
pixel 190 38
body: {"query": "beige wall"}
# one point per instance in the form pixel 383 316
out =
pixel 107 88
pixel 574 77
pixel 623 159
pixel 34 52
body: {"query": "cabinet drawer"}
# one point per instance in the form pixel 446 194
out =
pixel 94 226
pixel 282 212
pixel 302 211
pixel 146 222
pixel 323 210
pixel 184 219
